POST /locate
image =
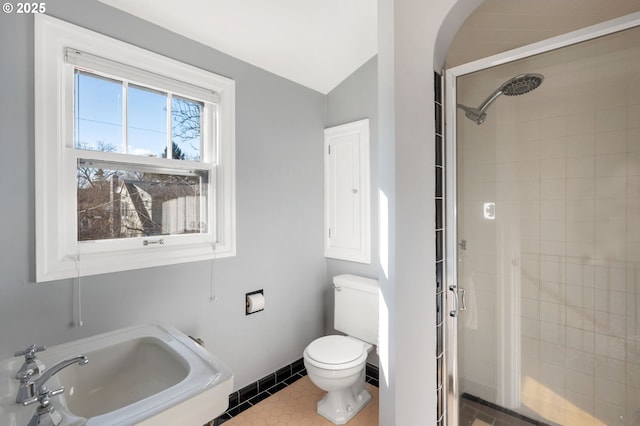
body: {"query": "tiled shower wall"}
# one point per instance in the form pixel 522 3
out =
pixel 553 283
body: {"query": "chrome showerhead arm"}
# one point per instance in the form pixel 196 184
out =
pixel 484 106
pixel 473 114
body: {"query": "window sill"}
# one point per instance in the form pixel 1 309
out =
pixel 88 264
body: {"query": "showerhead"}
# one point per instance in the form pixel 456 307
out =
pixel 521 84
pixel 516 86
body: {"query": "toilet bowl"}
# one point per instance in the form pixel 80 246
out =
pixel 336 364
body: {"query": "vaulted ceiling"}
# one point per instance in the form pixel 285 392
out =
pixel 314 43
pixel 320 43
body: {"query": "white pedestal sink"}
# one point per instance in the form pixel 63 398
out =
pixel 143 375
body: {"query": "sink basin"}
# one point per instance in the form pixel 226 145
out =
pixel 147 375
pixel 120 375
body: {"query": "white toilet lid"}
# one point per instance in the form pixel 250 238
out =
pixel 335 349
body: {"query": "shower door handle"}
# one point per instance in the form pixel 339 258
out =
pixel 454 290
pixel 459 303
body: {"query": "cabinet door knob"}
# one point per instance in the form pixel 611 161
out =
pixel 355 191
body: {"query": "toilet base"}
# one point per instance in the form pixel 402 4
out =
pixel 340 406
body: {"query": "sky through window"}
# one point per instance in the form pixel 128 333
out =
pixel 99 119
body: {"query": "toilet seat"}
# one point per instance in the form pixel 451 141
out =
pixel 336 352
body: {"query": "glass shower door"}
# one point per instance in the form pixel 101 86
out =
pixel 547 246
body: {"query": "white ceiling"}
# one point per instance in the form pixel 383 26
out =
pixel 318 43
pixel 314 43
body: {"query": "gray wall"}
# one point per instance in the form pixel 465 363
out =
pixel 279 143
pixel 356 98
pixel 413 37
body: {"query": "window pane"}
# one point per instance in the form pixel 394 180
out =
pixel 146 122
pixel 185 129
pixel 98 113
pixel 117 203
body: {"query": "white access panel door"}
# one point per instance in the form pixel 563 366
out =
pixel 347 192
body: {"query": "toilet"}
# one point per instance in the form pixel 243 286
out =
pixel 336 363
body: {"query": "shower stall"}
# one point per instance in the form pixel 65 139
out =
pixel 543 232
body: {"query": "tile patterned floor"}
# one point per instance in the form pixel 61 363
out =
pixel 296 405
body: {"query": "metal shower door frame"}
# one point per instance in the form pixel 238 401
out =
pixel 451 241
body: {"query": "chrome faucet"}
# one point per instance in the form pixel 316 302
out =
pixel 46 414
pixel 28 386
pixel 31 362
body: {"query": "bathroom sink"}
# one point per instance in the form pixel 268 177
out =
pixel 147 375
pixel 120 375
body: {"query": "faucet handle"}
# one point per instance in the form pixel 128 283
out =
pixel 43 397
pixel 46 414
pixel 30 352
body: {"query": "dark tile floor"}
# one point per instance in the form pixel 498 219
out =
pixel 477 413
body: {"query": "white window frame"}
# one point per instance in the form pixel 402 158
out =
pixel 58 253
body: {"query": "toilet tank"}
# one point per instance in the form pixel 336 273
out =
pixel 356 307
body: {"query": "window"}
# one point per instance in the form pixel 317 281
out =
pixel 134 157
